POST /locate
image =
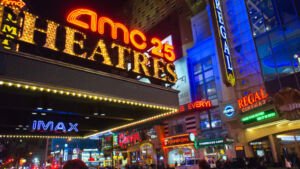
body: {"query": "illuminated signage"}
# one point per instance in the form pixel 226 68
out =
pixel 177 140
pixel 223 45
pixel 9 28
pixel 40 125
pixel 13 3
pixel 126 140
pixel 239 148
pixel 257 117
pixel 196 105
pixel 253 100
pixel 211 142
pixel 134 37
pixel 229 111
pixel 97 52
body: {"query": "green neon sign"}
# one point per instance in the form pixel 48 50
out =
pixel 257 117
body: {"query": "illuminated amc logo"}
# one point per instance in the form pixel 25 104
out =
pixel 13 3
pixel 40 125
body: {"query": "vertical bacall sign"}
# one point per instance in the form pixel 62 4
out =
pixel 222 43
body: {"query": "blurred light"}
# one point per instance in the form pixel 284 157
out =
pixel 49 109
pixel 17 128
pixel 96 114
pixel 43 114
pixel 20 125
pixel 87 117
pixel 102 114
pixel 34 113
pixel 39 108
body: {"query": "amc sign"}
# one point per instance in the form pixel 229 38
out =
pixel 50 126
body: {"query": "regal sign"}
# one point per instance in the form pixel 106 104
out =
pixel 50 126
pixel 253 100
pixel 108 46
pixel 196 105
pixel 222 43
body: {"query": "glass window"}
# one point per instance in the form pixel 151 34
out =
pixel 297 3
pixel 207 64
pixel 204 79
pixel 204 121
pixel 287 10
pixel 215 119
pixel 211 88
pixel 200 92
pixel 262 16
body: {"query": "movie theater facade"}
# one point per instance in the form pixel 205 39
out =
pixel 80 80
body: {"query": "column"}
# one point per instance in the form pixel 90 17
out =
pixel 273 148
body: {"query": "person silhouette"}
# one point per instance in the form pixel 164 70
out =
pixel 75 164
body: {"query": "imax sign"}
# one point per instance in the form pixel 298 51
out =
pixel 40 125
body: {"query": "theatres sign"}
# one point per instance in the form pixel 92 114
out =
pixel 105 45
pixel 253 100
pixel 196 105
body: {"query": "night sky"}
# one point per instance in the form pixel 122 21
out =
pixel 57 10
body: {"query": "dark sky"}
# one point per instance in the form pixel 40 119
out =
pixel 58 9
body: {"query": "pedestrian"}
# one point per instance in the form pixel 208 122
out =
pixel 288 164
pixel 203 164
pixel 75 164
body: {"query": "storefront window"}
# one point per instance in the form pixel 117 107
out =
pixel 178 156
pixel 178 126
pixel 147 153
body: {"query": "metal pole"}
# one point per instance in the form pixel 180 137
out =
pixel 46 151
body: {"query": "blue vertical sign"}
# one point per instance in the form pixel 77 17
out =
pixel 222 43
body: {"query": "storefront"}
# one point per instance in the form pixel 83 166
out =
pixel 272 129
pixel 72 82
pixel 220 148
pixel 178 148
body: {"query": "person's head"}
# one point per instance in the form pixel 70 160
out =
pixel 75 164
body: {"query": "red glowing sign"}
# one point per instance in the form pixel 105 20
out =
pixel 13 3
pixel 196 105
pixel 124 140
pixel 134 37
pixel 253 100
pixel 177 140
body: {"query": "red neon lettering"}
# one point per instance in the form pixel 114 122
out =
pixel 135 37
pixel 139 45
pixel 114 28
pixel 252 99
pixel 73 18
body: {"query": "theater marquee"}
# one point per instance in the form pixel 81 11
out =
pixel 104 45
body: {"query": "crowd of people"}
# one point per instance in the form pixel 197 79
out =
pixel 250 163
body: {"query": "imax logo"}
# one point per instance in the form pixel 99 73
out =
pixel 40 125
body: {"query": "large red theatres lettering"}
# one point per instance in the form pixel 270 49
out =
pixel 134 37
pixel 253 100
